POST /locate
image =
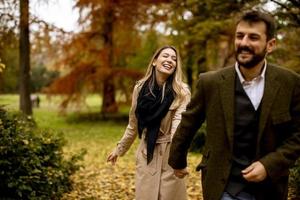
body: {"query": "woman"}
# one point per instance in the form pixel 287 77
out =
pixel 157 103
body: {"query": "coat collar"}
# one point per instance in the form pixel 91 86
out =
pixel 272 85
pixel 226 87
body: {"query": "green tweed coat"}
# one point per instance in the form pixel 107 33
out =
pixel 278 141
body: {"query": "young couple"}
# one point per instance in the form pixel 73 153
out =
pixel 252 114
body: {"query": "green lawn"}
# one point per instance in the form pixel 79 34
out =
pixel 98 137
pixel 98 179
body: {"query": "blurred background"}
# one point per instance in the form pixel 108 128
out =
pixel 81 47
pixel 72 65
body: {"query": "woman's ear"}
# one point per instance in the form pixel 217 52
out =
pixel 154 63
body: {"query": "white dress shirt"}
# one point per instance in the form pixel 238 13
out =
pixel 254 88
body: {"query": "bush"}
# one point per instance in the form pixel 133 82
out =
pixel 295 178
pixel 32 164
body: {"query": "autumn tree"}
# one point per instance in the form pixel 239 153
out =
pixel 98 55
pixel 288 11
pixel 9 46
pixel 204 30
pixel 287 53
pixel 24 49
pixel 43 49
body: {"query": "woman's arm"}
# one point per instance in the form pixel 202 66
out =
pixel 130 132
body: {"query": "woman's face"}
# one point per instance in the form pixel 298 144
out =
pixel 166 62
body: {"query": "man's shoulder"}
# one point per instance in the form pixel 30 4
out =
pixel 283 71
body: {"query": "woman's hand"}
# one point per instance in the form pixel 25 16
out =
pixel 181 173
pixel 112 157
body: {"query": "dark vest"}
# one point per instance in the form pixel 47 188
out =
pixel 245 136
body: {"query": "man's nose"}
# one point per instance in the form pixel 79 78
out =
pixel 245 41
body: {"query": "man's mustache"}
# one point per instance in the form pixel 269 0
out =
pixel 244 48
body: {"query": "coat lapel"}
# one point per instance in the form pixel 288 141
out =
pixel 271 88
pixel 227 98
pixel 226 87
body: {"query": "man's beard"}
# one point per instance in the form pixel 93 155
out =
pixel 256 58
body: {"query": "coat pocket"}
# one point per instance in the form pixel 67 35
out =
pixel 141 162
pixel 282 127
pixel 203 166
pixel 203 162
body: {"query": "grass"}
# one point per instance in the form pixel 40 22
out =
pixel 98 179
pixel 97 137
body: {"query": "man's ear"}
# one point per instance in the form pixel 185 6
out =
pixel 271 44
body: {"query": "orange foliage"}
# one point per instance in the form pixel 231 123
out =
pixel 89 78
pixel 74 81
pixel 93 55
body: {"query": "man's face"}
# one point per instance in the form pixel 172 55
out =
pixel 251 45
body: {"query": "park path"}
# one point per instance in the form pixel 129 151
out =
pixel 104 182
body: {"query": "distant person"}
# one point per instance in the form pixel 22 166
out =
pixel 252 114
pixel 157 103
pixel 38 101
pixel 35 100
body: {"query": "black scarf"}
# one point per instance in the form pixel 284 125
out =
pixel 150 110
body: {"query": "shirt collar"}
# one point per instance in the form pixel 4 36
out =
pixel 241 77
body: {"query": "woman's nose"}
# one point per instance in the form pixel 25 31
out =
pixel 169 60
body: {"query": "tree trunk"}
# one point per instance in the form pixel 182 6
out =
pixel 24 49
pixel 109 104
pixel 189 64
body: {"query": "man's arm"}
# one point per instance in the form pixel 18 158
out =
pixel 191 121
pixel 285 155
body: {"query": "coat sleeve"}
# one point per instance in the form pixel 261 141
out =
pixel 278 161
pixel 182 107
pixel 191 120
pixel 131 129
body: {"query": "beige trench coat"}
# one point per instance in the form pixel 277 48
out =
pixel 155 181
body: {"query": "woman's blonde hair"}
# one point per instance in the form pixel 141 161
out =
pixel 177 79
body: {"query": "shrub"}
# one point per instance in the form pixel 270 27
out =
pixel 32 164
pixel 295 178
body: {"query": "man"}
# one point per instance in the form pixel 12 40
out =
pixel 252 113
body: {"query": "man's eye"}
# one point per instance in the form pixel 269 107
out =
pixel 254 37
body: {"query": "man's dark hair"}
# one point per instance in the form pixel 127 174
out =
pixel 257 16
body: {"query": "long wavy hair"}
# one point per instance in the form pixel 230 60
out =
pixel 176 78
